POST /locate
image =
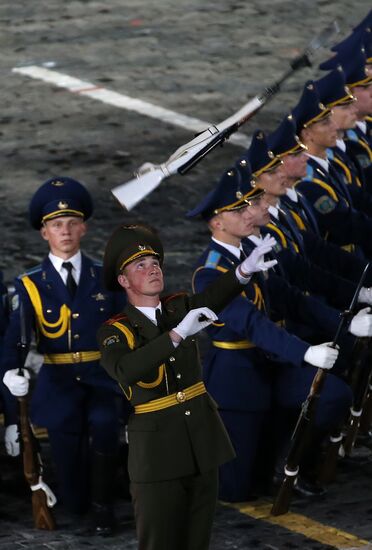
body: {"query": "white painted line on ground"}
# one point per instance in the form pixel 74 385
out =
pixel 87 89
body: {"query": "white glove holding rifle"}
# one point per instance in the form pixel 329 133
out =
pixel 361 323
pixel 194 321
pixel 11 440
pixel 256 262
pixel 17 384
pixel 322 356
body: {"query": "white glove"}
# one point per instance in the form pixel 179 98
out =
pixel 191 323
pixel 17 385
pixel 365 295
pixel 323 355
pixel 11 440
pixel 255 261
pixel 361 323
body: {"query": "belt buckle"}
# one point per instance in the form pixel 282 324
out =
pixel 76 357
pixel 181 397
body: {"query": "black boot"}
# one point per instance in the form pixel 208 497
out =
pixel 103 480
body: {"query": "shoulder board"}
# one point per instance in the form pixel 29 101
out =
pixel 368 118
pixel 213 259
pixel 31 271
pixel 352 135
pixel 170 297
pixel 116 318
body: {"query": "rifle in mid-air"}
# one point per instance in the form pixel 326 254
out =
pixel 149 176
pixel 42 496
pixel 301 434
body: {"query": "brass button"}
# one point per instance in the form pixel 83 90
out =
pixel 181 396
pixel 49 311
pixel 78 378
pixel 75 315
pixel 76 336
pixel 171 358
pixel 102 309
pixel 179 376
pixel 187 413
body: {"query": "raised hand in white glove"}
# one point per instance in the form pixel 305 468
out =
pixel 255 261
pixel 11 440
pixel 361 323
pixel 365 296
pixel 322 356
pixel 194 321
pixel 17 385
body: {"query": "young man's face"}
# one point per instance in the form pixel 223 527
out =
pixel 259 212
pixel 63 235
pixel 235 224
pixel 294 167
pixel 344 116
pixel 273 182
pixel 321 134
pixel 363 103
pixel 142 277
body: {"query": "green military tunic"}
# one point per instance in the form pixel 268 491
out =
pixel 142 358
pixel 174 452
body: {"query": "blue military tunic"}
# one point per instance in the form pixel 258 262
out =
pixel 65 331
pixel 253 364
pixel 338 221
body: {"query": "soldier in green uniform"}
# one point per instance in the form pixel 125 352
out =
pixel 176 437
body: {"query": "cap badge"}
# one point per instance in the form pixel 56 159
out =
pixel 57 183
pixel 270 154
pixel 62 205
pixel 141 247
pixel 239 195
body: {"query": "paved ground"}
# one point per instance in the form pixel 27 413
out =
pixel 202 59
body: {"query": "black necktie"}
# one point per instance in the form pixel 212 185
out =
pixel 159 319
pixel 70 282
pixel 242 256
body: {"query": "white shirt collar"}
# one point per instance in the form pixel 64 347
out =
pixel 230 247
pixel 274 211
pixel 76 264
pixel 292 194
pixel 362 125
pixel 324 163
pixel 341 144
pixel 150 312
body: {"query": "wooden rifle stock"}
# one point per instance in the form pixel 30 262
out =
pixel 43 518
pixel 32 465
pixel 360 397
pixel 337 443
pixel 302 431
pixel 299 441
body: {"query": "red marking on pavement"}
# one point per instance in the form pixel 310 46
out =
pixel 136 22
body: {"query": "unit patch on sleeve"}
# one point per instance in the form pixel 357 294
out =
pixel 114 339
pixel 325 204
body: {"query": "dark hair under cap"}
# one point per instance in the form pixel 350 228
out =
pixel 59 196
pixel 126 244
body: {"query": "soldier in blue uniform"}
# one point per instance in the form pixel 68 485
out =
pixel 291 247
pixel 335 95
pixel 285 143
pixel 353 60
pixel 338 221
pixel 64 303
pixel 252 361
